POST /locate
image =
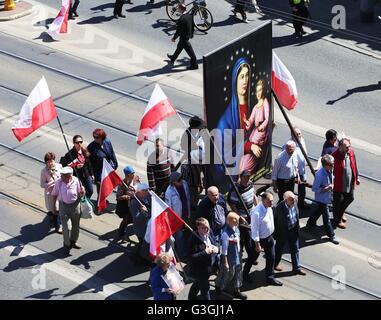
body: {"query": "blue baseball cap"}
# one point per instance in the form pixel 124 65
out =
pixel 128 170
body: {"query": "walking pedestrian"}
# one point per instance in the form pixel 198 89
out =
pixel 203 252
pixel 285 170
pixel 346 175
pixel 78 158
pixel 240 8
pixel 299 16
pixel 286 223
pixel 99 149
pixel 231 257
pixel 262 229
pixel 49 175
pixel 68 191
pixel 323 186
pixel 124 195
pixel 118 7
pixel 184 31
pixel 73 9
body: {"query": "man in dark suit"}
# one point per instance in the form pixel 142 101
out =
pixel 184 30
pixel 286 222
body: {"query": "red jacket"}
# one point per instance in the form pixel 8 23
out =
pixel 338 169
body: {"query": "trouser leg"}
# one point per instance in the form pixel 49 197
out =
pixel 180 47
pixel 75 221
pixel 326 220
pixel 279 246
pixel 293 243
pixel 269 247
pixel 189 50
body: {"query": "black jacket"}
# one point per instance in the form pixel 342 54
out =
pixel 200 262
pixel 204 210
pixel 185 27
pixel 85 171
pixel 280 221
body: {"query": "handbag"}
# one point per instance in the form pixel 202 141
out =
pixel 87 208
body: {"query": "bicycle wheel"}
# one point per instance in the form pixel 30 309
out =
pixel 171 8
pixel 202 19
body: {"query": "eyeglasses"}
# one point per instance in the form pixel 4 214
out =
pixel 78 142
pixel 96 137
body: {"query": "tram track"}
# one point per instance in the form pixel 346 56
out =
pixel 96 236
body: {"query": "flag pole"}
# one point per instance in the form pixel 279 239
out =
pixel 293 132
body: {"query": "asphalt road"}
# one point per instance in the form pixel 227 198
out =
pixel 323 71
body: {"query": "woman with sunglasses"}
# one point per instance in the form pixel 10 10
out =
pixel 78 159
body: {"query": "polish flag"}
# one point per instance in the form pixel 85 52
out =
pixel 110 180
pixel 283 84
pixel 159 107
pixel 37 111
pixel 164 223
pixel 59 25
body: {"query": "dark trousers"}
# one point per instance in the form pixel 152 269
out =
pixel 268 246
pixel 341 201
pixel 118 7
pixel 283 186
pixel 324 212
pixel 185 44
pixel 299 18
pixel 88 185
pixel 292 239
pixel 247 243
pixel 73 8
pixel 240 8
pixel 123 227
pixel 200 284
pixel 302 190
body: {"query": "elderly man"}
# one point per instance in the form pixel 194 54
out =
pixel 345 171
pixel 286 222
pixel 323 186
pixel 69 191
pixel 213 208
pixel 285 170
pixel 262 228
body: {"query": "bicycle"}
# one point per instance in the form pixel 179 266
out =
pixel 202 17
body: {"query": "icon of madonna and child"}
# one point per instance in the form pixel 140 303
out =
pixel 252 149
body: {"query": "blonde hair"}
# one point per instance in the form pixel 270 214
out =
pixel 202 222
pixel 163 259
pixel 232 216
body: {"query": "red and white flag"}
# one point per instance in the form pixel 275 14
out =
pixel 164 223
pixel 283 84
pixel 37 111
pixel 110 180
pixel 159 107
pixel 59 25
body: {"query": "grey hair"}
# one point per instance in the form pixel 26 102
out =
pixel 291 143
pixel 327 159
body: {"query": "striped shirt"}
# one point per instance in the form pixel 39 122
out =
pixel 285 166
pixel 248 196
pixel 159 169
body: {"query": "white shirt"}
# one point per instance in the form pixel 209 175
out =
pixel 262 222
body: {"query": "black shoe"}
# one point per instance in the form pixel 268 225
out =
pixel 192 67
pixel 66 250
pixel 312 227
pixel 75 245
pixel 170 57
pixel 240 295
pixel 303 31
pixel 115 16
pixel 121 15
pixel 75 14
pixel 71 18
pixel 274 282
pixel 299 272
pixel 218 290
pixel 334 240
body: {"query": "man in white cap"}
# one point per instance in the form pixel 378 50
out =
pixel 69 191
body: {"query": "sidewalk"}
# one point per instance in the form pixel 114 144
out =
pixel 23 8
pixel 360 35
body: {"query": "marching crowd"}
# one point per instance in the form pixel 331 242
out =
pixel 224 225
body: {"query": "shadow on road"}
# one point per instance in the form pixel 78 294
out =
pixel 368 88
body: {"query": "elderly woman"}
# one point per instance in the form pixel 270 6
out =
pixel 231 264
pixel 124 195
pixel 49 175
pixel 68 191
pixel 203 255
pixel 160 289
